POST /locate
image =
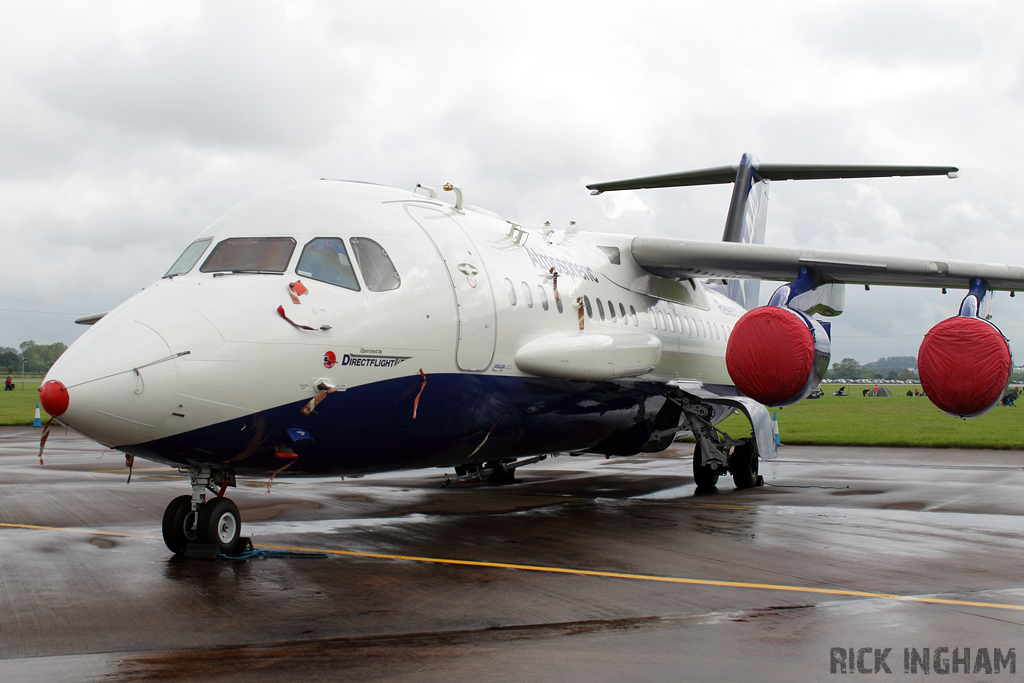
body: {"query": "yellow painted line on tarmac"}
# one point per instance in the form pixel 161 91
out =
pixel 579 572
pixel 648 577
pixel 124 470
pixel 90 532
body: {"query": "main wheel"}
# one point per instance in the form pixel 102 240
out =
pixel 178 527
pixel 743 465
pixel 704 476
pixel 220 524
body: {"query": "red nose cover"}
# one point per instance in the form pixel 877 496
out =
pixel 54 397
pixel 964 365
pixel 770 355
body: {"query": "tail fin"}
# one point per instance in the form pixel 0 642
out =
pixel 745 223
pixel 749 206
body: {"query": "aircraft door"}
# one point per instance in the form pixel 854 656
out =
pixel 470 284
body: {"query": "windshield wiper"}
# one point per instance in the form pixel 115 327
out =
pixel 247 272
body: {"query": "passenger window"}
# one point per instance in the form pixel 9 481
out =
pixel 632 313
pixel 511 290
pixel 661 321
pixel 654 321
pixel 527 296
pixel 689 330
pixel 325 259
pixel 600 308
pixel 542 297
pixel 250 255
pixel 189 257
pixel 622 313
pixel 611 310
pixel 558 302
pixel 679 323
pixel 671 324
pixel 586 304
pixel 379 272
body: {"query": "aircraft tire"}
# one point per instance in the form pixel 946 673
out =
pixel 220 524
pixel 177 524
pixel 705 477
pixel 743 464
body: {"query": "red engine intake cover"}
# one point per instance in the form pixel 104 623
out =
pixel 770 355
pixel 965 365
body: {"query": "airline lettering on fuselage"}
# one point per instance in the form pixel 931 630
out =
pixel 730 309
pixel 563 266
pixel 361 361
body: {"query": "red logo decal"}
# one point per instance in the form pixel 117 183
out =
pixel 471 281
pixel 330 360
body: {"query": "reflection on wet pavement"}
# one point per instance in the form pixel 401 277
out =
pixel 92 604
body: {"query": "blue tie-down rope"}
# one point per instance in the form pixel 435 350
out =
pixel 256 552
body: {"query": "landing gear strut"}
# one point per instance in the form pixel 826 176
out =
pixel 191 519
pixel 717 453
pixel 495 472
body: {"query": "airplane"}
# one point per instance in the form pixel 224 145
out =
pixel 345 328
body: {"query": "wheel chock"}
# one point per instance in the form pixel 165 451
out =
pixel 201 551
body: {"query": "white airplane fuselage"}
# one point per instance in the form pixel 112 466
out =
pixel 470 358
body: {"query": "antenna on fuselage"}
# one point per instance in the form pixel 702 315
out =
pixel 448 187
pixel 430 191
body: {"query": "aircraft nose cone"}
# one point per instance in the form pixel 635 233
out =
pixel 124 378
pixel 54 397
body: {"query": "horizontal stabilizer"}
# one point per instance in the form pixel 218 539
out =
pixel 90 319
pixel 679 258
pixel 727 174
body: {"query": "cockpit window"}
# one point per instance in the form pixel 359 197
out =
pixel 189 258
pixel 379 272
pixel 250 255
pixel 326 259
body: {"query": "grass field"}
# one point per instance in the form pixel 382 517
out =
pixel 828 421
pixel 18 407
pixel 901 420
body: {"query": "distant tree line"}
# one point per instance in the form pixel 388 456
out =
pixel 893 367
pixel 35 358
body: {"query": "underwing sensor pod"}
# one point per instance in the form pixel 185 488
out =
pixel 336 328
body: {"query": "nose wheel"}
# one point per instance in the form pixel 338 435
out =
pixel 220 524
pixel 179 525
pixel 193 519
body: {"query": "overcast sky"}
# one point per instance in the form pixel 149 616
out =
pixel 127 127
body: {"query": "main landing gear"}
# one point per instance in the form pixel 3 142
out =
pixel 193 519
pixel 718 453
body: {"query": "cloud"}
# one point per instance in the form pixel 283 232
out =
pixel 128 127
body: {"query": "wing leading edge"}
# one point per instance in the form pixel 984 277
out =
pixel 679 258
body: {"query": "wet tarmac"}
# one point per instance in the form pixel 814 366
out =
pixel 588 569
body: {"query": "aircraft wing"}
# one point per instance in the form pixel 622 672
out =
pixel 679 258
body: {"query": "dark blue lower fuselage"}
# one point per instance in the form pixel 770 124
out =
pixel 460 418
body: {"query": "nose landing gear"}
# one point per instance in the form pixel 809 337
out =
pixel 191 519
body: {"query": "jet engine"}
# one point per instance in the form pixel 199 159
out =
pixel 965 365
pixel 777 355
